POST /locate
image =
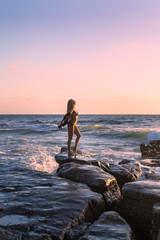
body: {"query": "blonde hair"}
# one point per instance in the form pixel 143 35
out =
pixel 70 105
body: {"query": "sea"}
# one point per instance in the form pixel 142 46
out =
pixel 32 141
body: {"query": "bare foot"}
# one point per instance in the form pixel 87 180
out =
pixel 70 154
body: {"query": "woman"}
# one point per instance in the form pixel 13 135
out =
pixel 72 127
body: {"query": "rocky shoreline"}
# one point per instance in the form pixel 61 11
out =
pixel 85 200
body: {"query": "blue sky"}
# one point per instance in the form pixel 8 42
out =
pixel 51 46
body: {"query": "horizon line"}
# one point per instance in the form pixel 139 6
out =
pixel 80 114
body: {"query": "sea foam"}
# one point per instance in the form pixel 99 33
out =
pixel 42 161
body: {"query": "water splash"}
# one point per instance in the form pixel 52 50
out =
pixel 42 161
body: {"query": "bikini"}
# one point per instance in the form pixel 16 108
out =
pixel 70 118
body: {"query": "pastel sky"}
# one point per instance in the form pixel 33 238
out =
pixel 105 54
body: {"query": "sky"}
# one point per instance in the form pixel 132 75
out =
pixel 105 54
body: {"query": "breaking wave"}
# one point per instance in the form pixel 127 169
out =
pixel 94 127
pixel 116 132
pixel 139 134
pixel 42 161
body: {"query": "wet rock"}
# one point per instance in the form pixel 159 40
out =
pixel 151 175
pixel 136 205
pixel 46 207
pixel 6 235
pixel 1 208
pixel 93 176
pixel 156 222
pixel 77 231
pixel 109 226
pixel 152 150
pixel 61 159
pixel 150 162
pixel 65 150
pixel 125 171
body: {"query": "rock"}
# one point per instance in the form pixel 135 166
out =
pixel 125 171
pixel 6 235
pixel 151 176
pixel 44 206
pixel 108 227
pixel 152 150
pixel 77 231
pixel 156 222
pixel 136 205
pixel 65 150
pixel 150 162
pixel 93 176
pixel 61 159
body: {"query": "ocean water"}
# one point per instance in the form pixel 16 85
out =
pixel 31 141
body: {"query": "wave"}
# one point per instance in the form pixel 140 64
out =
pixel 4 124
pixel 116 122
pixel 26 131
pixel 93 127
pixel 116 133
pixel 139 134
pixel 36 122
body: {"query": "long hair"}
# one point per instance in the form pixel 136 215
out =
pixel 70 105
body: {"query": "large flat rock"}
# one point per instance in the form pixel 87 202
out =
pixel 40 204
pixel 136 204
pixel 62 158
pixel 97 179
pixel 109 226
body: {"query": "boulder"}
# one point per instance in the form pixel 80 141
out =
pixel 109 226
pixel 136 205
pixel 94 177
pixel 125 171
pixel 77 231
pixel 152 150
pixel 156 222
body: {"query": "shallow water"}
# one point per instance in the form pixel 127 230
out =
pixel 31 141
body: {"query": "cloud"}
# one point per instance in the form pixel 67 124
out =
pixel 14 67
pixel 27 69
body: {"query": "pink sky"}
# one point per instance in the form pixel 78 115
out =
pixel 106 59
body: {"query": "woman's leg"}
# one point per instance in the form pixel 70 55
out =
pixel 78 136
pixel 70 135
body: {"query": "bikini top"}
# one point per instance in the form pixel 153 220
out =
pixel 70 116
pixel 66 119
